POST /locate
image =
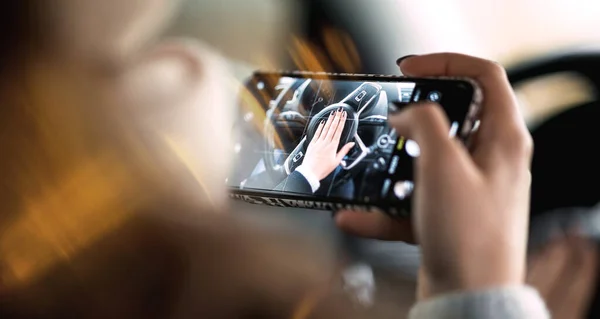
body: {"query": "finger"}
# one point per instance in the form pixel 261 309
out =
pixel 340 128
pixel 319 130
pixel 374 225
pixel 502 125
pixel 334 125
pixel 491 76
pixel 574 290
pixel 427 125
pixel 327 126
pixel 582 289
pixel 344 151
pixel 548 267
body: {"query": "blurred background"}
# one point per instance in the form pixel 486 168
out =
pixel 551 50
pixel 266 34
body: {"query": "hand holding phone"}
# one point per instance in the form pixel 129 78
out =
pixel 470 207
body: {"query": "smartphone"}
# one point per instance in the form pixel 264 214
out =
pixel 280 114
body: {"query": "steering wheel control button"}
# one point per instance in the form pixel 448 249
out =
pixel 386 187
pixel 405 94
pixel 394 165
pixel 384 141
pixel 361 99
pixel 382 162
pixel 413 149
pixel 434 96
pixel 405 90
pixel 360 96
pixel 417 96
pixel 400 144
pixel 403 189
pixel 298 157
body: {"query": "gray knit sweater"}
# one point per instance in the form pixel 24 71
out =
pixel 513 302
pixel 516 302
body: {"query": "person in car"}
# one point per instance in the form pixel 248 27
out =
pixel 107 202
pixel 322 156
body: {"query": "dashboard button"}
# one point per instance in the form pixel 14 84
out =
pixel 394 165
pixel 382 162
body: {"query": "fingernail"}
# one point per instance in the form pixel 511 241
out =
pixel 404 58
pixel 322 122
pixel 332 113
pixel 340 109
pixel 345 114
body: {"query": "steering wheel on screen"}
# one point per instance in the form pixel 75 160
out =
pixel 279 126
pixel 565 159
pixel 358 103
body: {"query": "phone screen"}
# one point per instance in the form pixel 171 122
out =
pixel 328 137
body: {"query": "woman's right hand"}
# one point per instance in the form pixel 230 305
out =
pixel 470 207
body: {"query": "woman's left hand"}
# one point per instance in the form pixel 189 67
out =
pixel 565 273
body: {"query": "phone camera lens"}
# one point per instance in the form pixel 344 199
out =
pixel 434 96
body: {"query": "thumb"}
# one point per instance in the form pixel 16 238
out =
pixel 426 124
pixel 344 151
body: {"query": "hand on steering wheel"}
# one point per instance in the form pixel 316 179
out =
pixel 322 156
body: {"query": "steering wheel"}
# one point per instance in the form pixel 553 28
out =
pixel 561 173
pixel 358 103
pixel 585 64
pixel 279 123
